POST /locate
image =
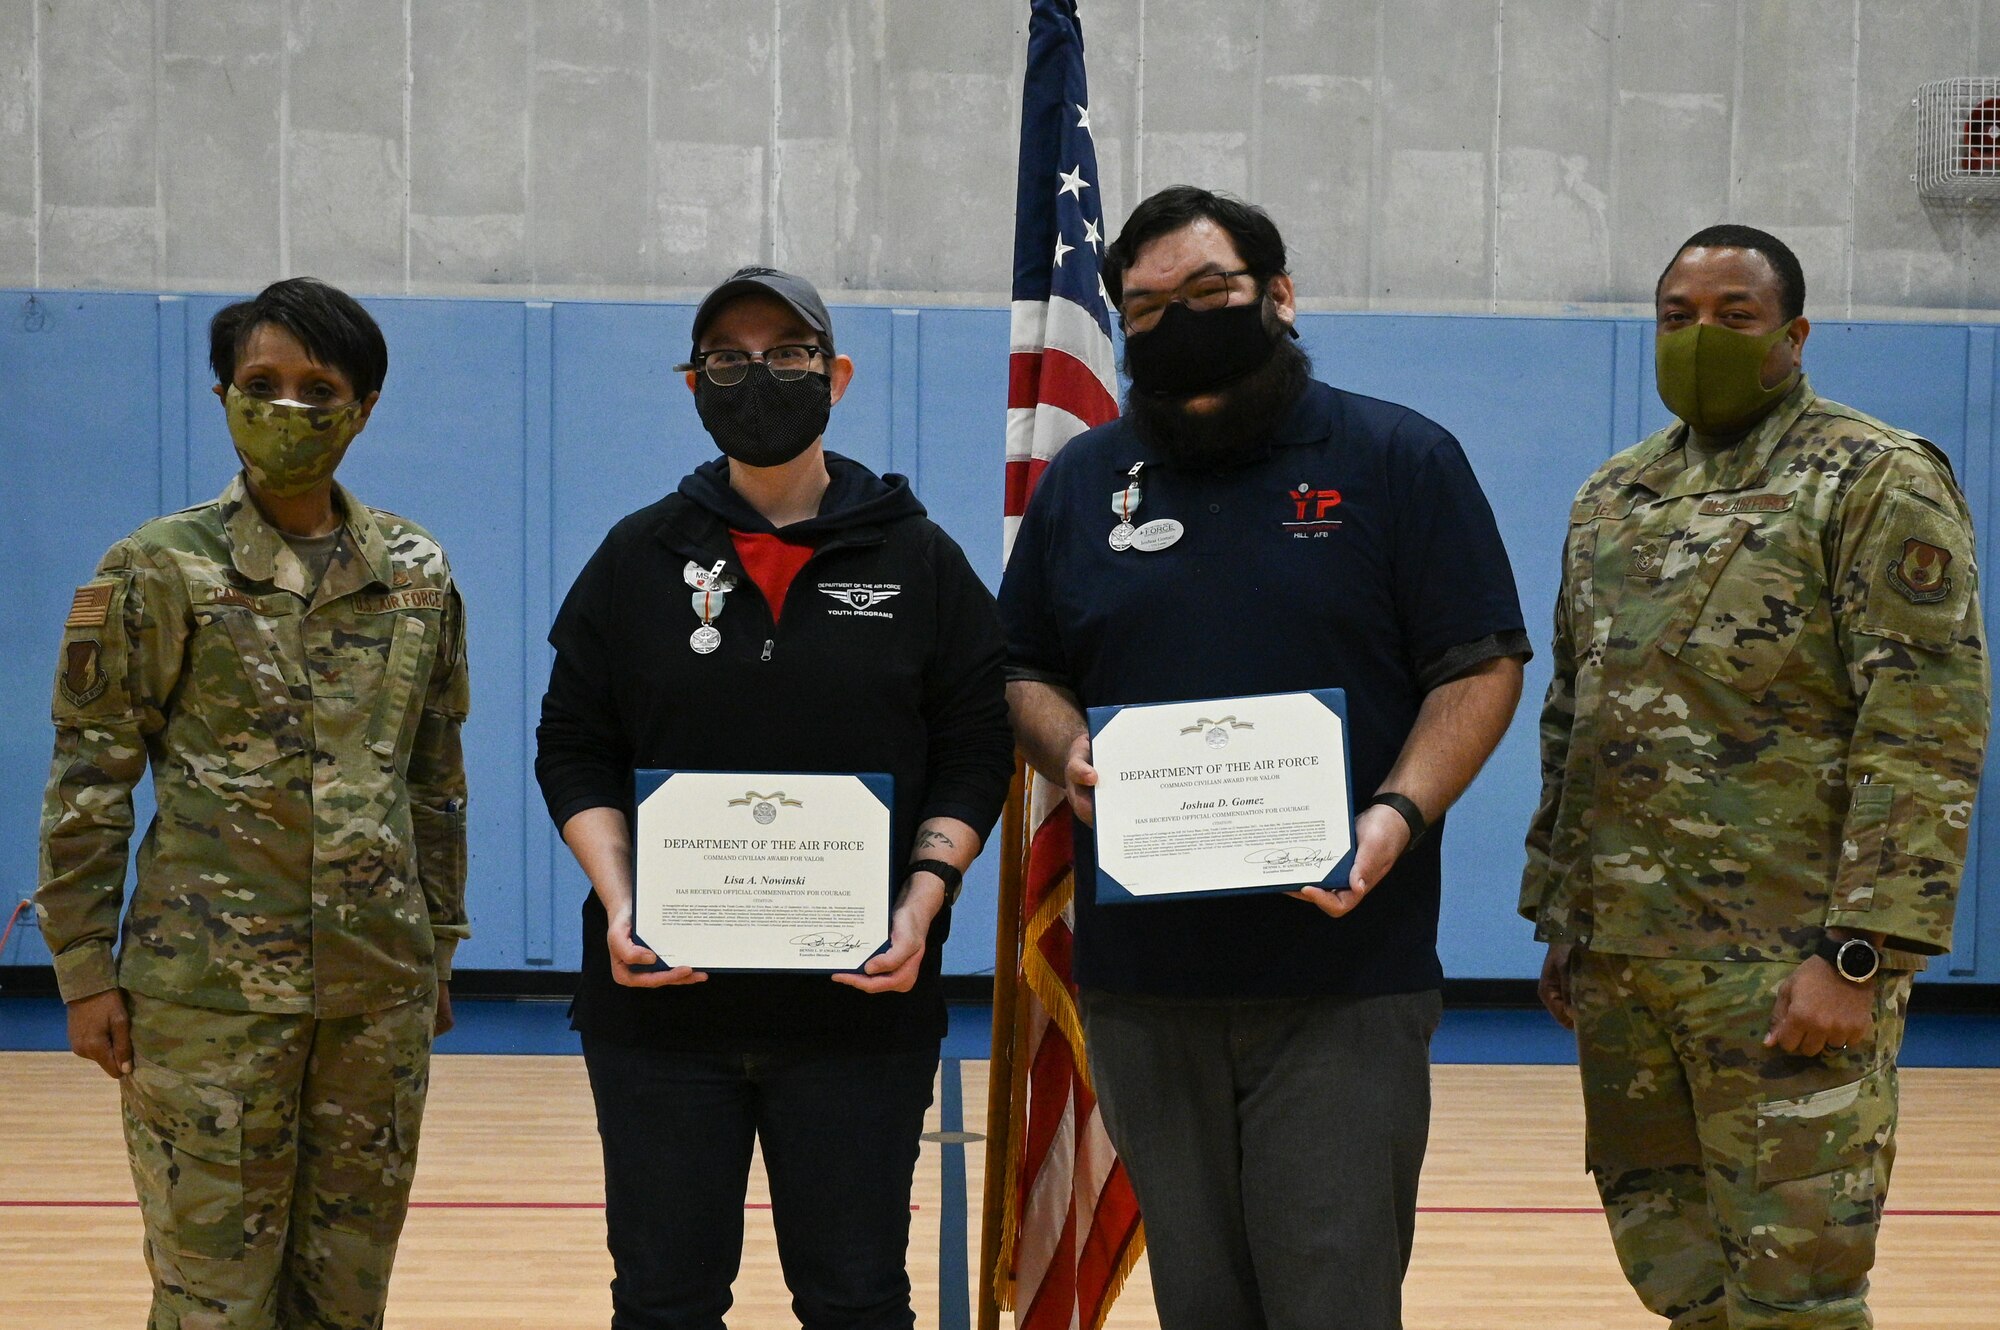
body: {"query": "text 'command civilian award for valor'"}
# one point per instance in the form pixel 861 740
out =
pixel 1227 795
pixel 739 870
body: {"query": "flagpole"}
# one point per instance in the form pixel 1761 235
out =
pixel 1000 1070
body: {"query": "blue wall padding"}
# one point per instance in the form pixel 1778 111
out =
pixel 519 431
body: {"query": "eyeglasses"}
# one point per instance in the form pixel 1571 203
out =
pixel 1209 290
pixel 725 369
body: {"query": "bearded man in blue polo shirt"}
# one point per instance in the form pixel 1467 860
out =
pixel 1263 1061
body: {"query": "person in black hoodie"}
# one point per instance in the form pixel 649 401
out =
pixel 855 637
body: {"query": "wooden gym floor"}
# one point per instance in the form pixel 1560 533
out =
pixel 507 1230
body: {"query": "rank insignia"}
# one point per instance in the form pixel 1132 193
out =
pixel 83 678
pixel 1919 572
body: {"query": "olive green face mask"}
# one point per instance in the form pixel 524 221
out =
pixel 1711 376
pixel 288 448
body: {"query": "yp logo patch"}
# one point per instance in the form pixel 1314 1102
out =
pixel 862 599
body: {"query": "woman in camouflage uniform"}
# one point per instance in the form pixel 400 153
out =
pixel 290 663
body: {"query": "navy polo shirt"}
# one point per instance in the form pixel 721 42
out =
pixel 1357 553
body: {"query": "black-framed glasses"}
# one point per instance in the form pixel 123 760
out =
pixel 725 369
pixel 1209 290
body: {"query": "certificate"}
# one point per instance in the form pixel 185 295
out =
pixel 738 870
pixel 1228 795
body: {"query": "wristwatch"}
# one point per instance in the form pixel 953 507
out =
pixel 953 879
pixel 1854 959
pixel 1407 806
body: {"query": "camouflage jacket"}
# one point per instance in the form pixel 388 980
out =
pixel 1769 707
pixel 308 853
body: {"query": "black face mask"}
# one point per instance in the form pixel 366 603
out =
pixel 1237 430
pixel 764 421
pixel 1190 352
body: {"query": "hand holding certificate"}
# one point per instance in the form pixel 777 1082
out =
pixel 756 871
pixel 1222 796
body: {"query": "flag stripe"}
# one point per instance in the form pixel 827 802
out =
pixel 1058 378
pixel 1072 1221
pixel 1022 477
pixel 1064 325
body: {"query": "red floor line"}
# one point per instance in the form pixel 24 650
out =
pixel 1593 1210
pixel 414 1205
pixel 765 1205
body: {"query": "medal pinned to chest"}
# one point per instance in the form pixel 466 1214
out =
pixel 1153 535
pixel 1123 504
pixel 711 593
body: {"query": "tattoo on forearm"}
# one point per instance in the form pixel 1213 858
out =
pixel 928 838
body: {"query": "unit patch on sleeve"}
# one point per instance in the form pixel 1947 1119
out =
pixel 1919 558
pixel 1920 571
pixel 83 679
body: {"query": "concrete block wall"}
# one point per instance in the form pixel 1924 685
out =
pixel 1528 156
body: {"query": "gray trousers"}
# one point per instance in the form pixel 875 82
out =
pixel 1274 1145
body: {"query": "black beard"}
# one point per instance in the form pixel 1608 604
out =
pixel 1238 430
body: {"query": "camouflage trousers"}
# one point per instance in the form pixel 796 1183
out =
pixel 273 1156
pixel 1744 1185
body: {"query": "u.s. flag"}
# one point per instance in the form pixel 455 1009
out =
pixel 1071 1229
pixel 1062 377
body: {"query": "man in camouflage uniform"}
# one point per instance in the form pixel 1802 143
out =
pixel 1760 752
pixel 291 665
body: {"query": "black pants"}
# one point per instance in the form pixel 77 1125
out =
pixel 839 1135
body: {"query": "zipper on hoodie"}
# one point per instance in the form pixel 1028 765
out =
pixel 837 542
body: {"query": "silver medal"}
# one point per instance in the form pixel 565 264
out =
pixel 1123 504
pixel 707 604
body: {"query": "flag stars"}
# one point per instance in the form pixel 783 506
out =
pixel 1072 182
pixel 1092 236
pixel 1082 116
pixel 1061 249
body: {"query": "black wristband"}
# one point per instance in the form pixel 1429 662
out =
pixel 953 879
pixel 1407 806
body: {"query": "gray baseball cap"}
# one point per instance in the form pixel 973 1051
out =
pixel 795 291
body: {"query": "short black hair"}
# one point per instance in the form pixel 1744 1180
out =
pixel 329 323
pixel 1249 226
pixel 1729 235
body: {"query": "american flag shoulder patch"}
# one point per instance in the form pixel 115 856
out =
pixel 90 606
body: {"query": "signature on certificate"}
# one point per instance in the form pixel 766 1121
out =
pixel 1285 859
pixel 827 941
